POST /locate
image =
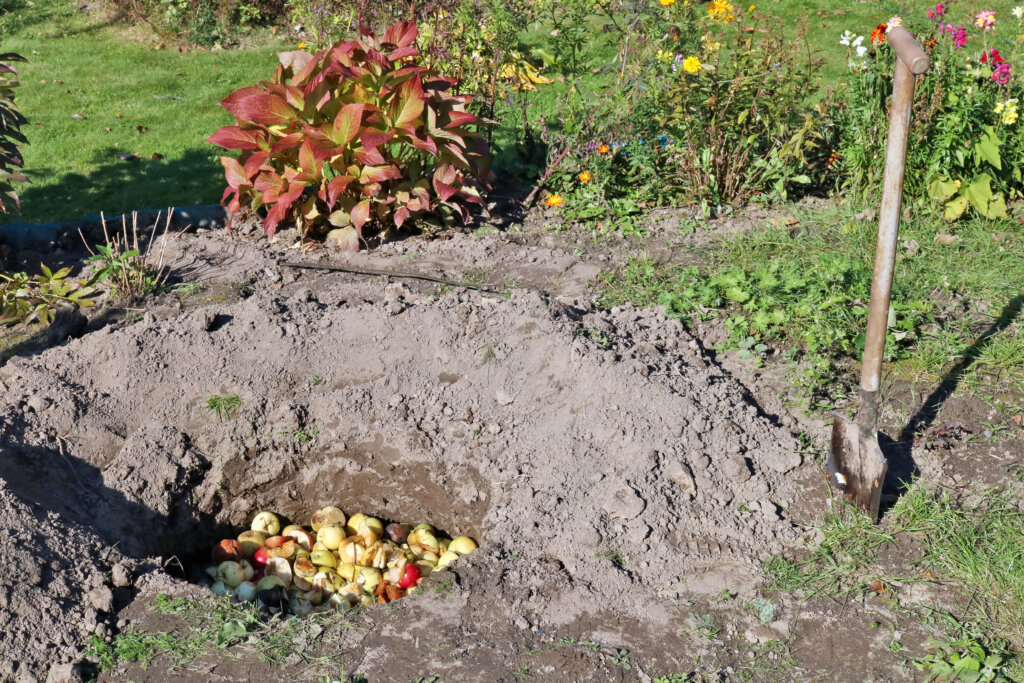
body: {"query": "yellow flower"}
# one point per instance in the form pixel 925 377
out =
pixel 554 200
pixel 584 177
pixel 667 3
pixel 692 65
pixel 664 56
pixel 721 10
pixel 711 45
pixel 602 149
pixel 302 46
pixel 1008 109
pixel 751 9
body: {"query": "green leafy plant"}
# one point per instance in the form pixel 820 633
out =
pixel 25 299
pixel 131 270
pixel 965 660
pixel 359 134
pixel 11 121
pixel 739 118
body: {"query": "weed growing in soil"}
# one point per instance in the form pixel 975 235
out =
pixel 25 299
pixel 132 272
pixel 224 406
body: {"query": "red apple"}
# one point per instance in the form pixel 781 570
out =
pixel 410 577
pixel 259 559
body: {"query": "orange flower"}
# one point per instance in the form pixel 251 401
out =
pixel 554 200
pixel 584 177
pixel 602 149
pixel 878 35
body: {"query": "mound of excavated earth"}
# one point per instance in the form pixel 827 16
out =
pixel 604 464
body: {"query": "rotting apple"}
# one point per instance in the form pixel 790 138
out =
pixel 303 538
pixel 231 573
pixel 446 559
pixel 281 568
pixel 463 545
pixel 398 533
pixel 228 549
pixel 251 541
pixel 331 536
pixel 327 515
pixel 246 591
pixel 266 522
pixel 323 558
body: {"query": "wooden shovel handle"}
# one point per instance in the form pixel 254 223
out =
pixel 910 56
pixel 907 49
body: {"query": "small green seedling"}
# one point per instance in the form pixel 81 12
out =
pixel 225 406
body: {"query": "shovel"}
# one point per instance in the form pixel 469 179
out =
pixel 856 465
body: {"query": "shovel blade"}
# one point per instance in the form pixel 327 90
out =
pixel 856 466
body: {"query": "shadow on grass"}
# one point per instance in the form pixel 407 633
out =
pixel 929 410
pixel 120 185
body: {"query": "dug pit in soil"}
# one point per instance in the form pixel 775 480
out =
pixel 607 466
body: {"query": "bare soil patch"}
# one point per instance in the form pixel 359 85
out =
pixel 621 483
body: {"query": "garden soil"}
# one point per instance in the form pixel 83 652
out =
pixel 616 477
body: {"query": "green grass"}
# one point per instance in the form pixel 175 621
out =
pixel 806 289
pixel 970 545
pixel 154 102
pixel 218 625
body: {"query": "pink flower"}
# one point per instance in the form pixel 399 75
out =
pixel 985 20
pixel 957 34
pixel 1001 75
pixel 936 12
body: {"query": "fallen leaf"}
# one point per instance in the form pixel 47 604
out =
pixel 77 116
pixel 946 239
pixel 158 155
pixel 141 129
pixel 1018 420
pixel 106 128
pixel 876 586
pixel 117 116
pixel 180 73
pixel 42 80
pixel 928 575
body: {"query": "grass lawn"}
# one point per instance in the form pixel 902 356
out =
pixel 93 96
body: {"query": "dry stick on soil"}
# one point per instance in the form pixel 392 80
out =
pixel 387 273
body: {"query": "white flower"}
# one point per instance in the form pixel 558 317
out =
pixel 857 41
pixel 861 50
pixel 1018 12
pixel 846 38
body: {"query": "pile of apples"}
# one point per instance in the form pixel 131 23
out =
pixel 335 563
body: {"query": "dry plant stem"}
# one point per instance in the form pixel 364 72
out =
pixel 547 174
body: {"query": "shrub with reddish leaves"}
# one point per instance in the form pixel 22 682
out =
pixel 357 137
